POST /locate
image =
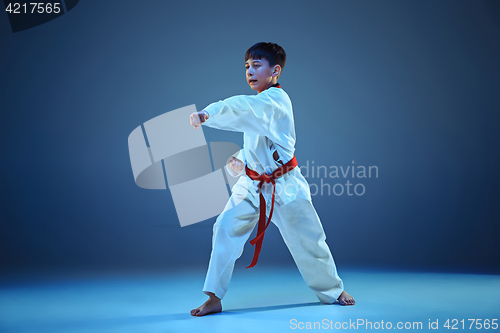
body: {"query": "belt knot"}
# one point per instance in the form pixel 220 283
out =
pixel 266 179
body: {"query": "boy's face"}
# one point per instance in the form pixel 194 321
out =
pixel 260 75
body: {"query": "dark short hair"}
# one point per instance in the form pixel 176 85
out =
pixel 272 52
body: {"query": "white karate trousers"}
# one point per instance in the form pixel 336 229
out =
pixel 302 232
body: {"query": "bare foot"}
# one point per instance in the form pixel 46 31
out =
pixel 212 305
pixel 346 299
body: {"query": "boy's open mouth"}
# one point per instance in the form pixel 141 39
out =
pixel 252 81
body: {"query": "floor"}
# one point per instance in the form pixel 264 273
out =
pixel 259 300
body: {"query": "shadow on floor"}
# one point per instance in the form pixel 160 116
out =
pixel 268 308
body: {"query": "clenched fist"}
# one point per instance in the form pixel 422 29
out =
pixel 236 164
pixel 198 118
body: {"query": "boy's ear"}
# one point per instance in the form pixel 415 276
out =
pixel 277 70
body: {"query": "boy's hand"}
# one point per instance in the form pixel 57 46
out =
pixel 236 164
pixel 198 118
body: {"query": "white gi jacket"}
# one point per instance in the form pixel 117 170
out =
pixel 266 119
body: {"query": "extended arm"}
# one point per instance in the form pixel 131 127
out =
pixel 253 114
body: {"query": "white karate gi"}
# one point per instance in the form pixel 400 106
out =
pixel 266 119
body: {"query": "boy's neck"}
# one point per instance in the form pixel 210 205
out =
pixel 277 85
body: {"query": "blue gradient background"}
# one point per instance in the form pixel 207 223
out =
pixel 409 86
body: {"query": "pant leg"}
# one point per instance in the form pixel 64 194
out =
pixel 230 233
pixel 303 233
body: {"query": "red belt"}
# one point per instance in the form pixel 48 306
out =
pixel 265 178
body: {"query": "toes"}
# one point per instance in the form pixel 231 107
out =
pixel 346 301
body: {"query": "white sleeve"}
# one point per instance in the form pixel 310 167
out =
pixel 243 113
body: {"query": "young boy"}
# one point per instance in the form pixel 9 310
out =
pixel 274 185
